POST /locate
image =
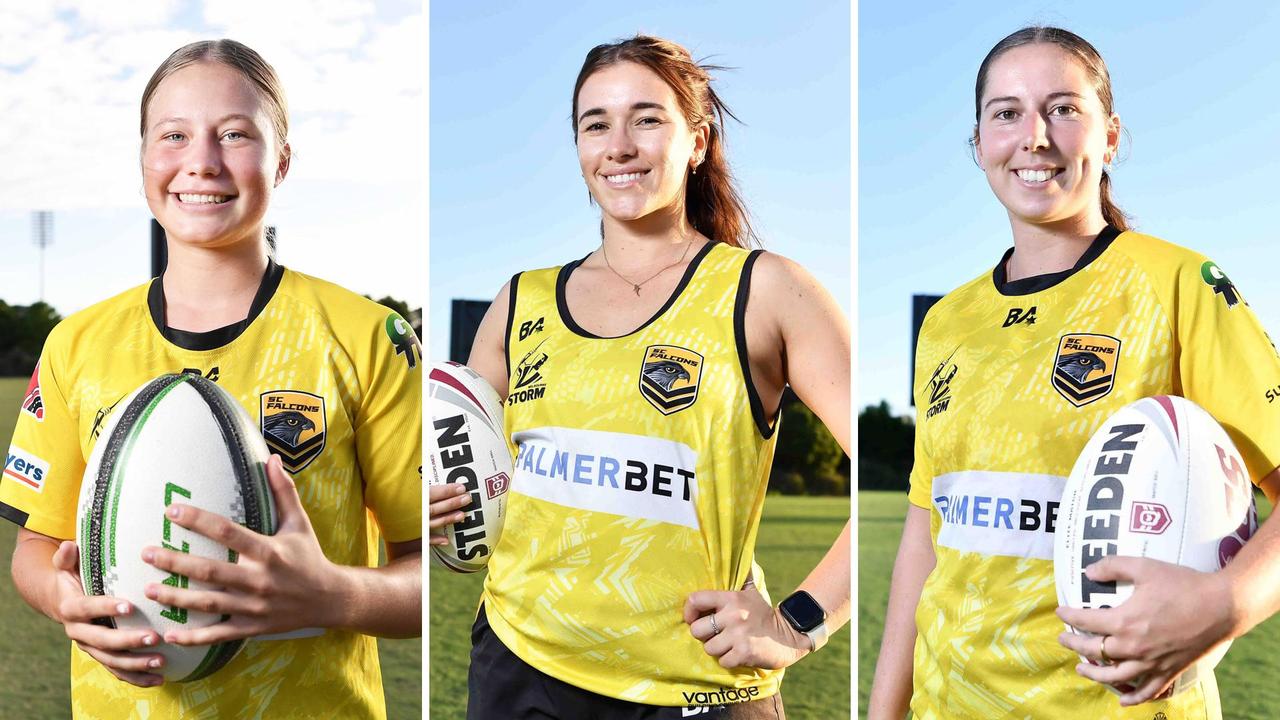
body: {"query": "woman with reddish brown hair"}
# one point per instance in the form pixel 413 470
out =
pixel 625 583
pixel 1015 370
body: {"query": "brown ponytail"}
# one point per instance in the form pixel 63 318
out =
pixel 712 202
pixel 1091 60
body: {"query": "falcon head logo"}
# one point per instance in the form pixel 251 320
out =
pixel 1084 368
pixel 293 424
pixel 669 377
pixel 1079 364
pixel 665 374
pixel 287 426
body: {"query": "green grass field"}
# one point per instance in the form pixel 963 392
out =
pixel 1244 676
pixel 794 534
pixel 38 647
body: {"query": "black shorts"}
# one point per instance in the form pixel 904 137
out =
pixel 501 686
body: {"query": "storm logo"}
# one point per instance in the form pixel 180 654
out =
pixel 669 377
pixel 293 426
pixel 1084 369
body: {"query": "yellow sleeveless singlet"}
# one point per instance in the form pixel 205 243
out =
pixel 641 468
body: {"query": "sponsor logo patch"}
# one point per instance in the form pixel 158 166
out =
pixel 700 700
pixel 1221 284
pixel 31 402
pixel 1084 368
pixel 293 424
pixel 529 384
pixel 998 513
pixel 1149 518
pixel 628 475
pixel 669 377
pixel 401 335
pixel 26 468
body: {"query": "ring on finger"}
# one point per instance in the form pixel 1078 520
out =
pixel 1102 650
pixel 715 627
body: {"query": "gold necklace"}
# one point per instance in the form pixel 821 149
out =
pixel 636 286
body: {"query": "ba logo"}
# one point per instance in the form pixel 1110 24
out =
pixel 1084 369
pixel 211 375
pixel 293 424
pixel 1221 284
pixel 31 402
pixel 1149 518
pixel 669 377
pixel 529 384
pixel 529 327
pixel 1016 315
pixel 401 335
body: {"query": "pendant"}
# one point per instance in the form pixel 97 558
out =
pixel 637 289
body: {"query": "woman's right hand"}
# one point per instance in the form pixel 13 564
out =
pixel 447 502
pixel 110 646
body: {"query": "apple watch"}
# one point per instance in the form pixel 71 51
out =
pixel 804 614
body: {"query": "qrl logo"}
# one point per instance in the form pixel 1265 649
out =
pixel 1149 518
pixel 496 485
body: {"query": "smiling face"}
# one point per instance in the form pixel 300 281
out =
pixel 1043 136
pixel 634 145
pixel 210 158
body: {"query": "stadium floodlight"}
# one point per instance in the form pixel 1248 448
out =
pixel 42 233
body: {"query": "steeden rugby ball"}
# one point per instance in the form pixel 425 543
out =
pixel 178 438
pixel 466 444
pixel 1159 479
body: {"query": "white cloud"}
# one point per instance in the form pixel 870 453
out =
pixel 71 76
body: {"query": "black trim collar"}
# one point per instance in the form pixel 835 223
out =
pixel 1036 283
pixel 562 280
pixel 220 337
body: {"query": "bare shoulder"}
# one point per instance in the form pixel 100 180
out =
pixel 489 349
pixel 788 292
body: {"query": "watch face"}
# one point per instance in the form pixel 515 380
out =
pixel 802 611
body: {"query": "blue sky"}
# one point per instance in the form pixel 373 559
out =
pixel 1195 85
pixel 506 193
pixel 71 74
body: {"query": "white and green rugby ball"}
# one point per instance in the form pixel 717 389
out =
pixel 178 438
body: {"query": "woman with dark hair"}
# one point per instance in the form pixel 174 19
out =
pixel 643 387
pixel 214 126
pixel 971 629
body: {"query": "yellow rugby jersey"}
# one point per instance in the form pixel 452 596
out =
pixel 640 473
pixel 333 380
pixel 1012 378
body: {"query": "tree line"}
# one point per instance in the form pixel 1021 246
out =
pixel 886 444
pixel 22 333
pixel 807 460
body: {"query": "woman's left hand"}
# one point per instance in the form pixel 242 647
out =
pixel 281 582
pixel 751 633
pixel 1174 617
